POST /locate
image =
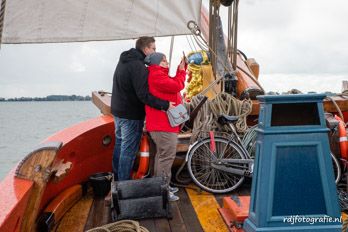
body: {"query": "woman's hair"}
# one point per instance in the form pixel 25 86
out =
pixel 144 42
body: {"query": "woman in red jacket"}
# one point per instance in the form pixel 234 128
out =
pixel 168 88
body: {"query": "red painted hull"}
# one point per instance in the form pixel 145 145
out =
pixel 82 146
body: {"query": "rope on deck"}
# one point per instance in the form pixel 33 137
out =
pixel 120 226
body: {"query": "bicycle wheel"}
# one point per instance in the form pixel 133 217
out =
pixel 207 177
pixel 336 168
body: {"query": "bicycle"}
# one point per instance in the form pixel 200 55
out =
pixel 219 165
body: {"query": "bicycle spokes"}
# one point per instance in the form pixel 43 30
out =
pixel 205 159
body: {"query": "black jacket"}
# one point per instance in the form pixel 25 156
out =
pixel 130 88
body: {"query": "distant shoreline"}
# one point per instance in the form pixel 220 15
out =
pixel 48 98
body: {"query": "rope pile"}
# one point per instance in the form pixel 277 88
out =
pixel 223 103
pixel 120 226
pixel 249 141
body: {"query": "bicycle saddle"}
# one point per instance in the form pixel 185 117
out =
pixel 225 119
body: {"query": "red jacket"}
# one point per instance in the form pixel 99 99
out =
pixel 168 88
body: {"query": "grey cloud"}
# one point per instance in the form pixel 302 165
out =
pixel 295 36
pixel 287 38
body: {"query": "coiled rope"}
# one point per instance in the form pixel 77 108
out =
pixel 223 103
pixel 120 226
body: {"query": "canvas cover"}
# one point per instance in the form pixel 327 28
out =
pixel 46 21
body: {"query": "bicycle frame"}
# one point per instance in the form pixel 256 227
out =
pixel 241 170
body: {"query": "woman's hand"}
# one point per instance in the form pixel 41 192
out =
pixel 182 64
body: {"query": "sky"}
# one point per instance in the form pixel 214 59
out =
pixel 299 44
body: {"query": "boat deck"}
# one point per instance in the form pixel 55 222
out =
pixel 195 211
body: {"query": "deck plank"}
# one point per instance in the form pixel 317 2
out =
pixel 188 213
pixel 206 209
pixel 162 225
pixel 99 214
pixel 75 219
pixel 177 223
pixel 184 216
pixel 149 224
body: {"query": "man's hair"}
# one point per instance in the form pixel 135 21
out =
pixel 144 42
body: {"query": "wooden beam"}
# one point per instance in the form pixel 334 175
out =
pixel 102 100
pixel 344 86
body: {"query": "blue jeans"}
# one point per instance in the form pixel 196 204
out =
pixel 128 134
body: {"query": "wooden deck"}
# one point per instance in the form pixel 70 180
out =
pixel 187 216
pixel 184 217
pixel 194 212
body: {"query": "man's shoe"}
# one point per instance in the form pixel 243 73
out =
pixel 173 189
pixel 172 197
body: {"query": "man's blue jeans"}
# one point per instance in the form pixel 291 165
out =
pixel 128 134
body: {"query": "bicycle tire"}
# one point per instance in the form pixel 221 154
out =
pixel 336 168
pixel 211 179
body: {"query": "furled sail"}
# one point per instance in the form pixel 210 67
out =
pixel 54 21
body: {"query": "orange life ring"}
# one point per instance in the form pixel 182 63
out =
pixel 343 137
pixel 144 158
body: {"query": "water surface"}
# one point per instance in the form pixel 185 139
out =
pixel 24 125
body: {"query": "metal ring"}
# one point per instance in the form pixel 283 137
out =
pixel 193 27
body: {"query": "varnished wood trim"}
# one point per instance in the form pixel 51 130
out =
pixel 75 219
pixel 59 206
pixel 102 101
pixel 36 167
pixel 55 146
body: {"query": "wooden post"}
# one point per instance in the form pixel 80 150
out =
pixel 344 86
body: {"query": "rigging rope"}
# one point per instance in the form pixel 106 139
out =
pixel 223 103
pixel 2 16
pixel 337 107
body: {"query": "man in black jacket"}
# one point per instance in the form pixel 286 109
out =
pixel 129 94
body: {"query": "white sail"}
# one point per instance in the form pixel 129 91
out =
pixel 52 21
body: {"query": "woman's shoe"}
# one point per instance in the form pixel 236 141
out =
pixel 172 197
pixel 173 189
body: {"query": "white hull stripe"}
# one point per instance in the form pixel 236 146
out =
pixel 343 139
pixel 144 154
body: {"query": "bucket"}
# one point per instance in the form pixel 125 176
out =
pixel 101 183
